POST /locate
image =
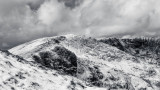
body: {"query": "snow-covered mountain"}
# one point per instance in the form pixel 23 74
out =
pixel 75 63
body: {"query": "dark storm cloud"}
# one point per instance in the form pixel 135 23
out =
pixel 24 20
pixel 35 5
pixel 71 3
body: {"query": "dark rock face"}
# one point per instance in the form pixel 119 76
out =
pixel 60 59
pixel 66 55
pixel 95 77
pixel 138 44
pixel 113 42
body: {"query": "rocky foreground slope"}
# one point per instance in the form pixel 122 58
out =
pixel 75 63
pixel 19 74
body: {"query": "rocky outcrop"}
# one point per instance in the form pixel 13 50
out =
pixel 60 59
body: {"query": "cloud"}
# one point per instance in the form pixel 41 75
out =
pixel 35 4
pixel 50 12
pixel 5 45
pixel 123 16
pixel 24 20
pixel 71 3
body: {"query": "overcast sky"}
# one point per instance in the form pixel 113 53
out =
pixel 25 20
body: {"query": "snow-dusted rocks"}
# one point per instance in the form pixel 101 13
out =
pixel 59 59
pixel 95 63
pixel 23 75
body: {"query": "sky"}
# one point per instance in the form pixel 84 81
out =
pixel 25 20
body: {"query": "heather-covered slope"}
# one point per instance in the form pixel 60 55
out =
pixel 91 61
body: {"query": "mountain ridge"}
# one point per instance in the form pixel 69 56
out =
pixel 98 65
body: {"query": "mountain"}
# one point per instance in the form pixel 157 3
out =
pixel 146 48
pixel 72 62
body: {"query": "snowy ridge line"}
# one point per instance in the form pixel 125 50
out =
pixel 96 63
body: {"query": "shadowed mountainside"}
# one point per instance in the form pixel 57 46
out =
pixel 146 48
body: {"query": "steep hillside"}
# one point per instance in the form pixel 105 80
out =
pixel 95 63
pixel 18 74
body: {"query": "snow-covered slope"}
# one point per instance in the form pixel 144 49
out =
pixel 17 74
pixel 98 64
